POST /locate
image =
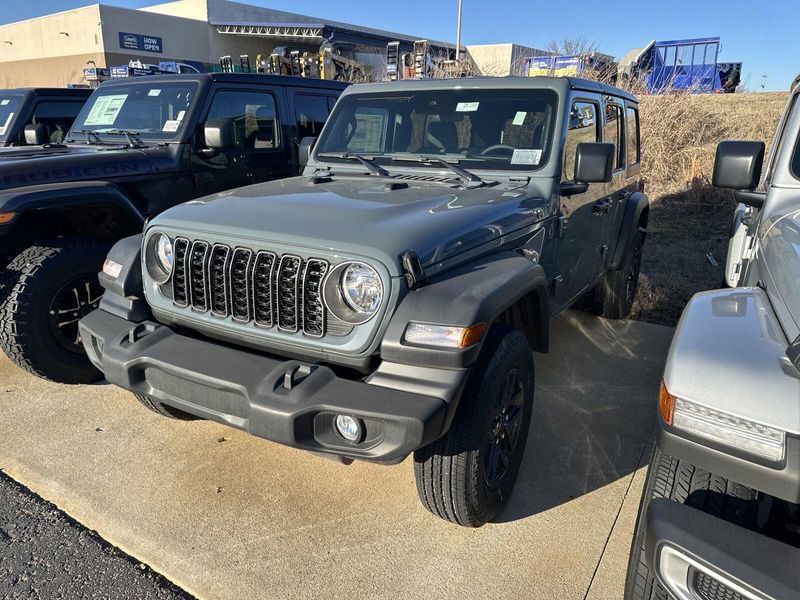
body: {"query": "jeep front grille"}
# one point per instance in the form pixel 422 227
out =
pixel 257 287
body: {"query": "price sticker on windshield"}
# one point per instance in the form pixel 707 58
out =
pixel 105 110
pixel 467 106
pixel 526 157
pixel 171 126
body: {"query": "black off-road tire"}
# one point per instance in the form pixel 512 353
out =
pixel 614 295
pixel 164 410
pixel 676 480
pixel 34 279
pixel 451 473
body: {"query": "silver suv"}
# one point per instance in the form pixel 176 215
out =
pixel 720 517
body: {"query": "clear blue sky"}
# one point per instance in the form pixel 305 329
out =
pixel 763 35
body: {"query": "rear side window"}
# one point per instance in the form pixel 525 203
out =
pixel 612 133
pixel 583 127
pixel 632 140
pixel 57 116
pixel 254 115
pixel 312 112
pixel 778 142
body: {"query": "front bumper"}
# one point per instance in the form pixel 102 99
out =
pixel 696 555
pixel 289 402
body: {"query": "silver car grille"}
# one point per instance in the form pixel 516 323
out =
pixel 260 287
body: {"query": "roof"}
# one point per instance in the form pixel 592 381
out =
pixel 276 80
pixel 557 83
pixel 237 14
pixel 44 91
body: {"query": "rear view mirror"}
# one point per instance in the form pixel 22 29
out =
pixel 220 134
pixel 738 165
pixel 594 163
pixel 37 135
pixel 304 152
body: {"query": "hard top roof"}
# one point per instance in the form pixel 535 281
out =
pixel 562 84
pixel 45 91
pixel 252 78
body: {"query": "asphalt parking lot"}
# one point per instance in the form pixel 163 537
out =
pixel 225 515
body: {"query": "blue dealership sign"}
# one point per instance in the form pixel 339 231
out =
pixel 144 43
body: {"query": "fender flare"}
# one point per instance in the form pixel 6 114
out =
pixel 478 292
pixel 61 195
pixel 636 204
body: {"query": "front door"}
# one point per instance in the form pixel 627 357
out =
pixel 580 231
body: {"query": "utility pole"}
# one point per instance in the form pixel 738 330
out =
pixel 458 32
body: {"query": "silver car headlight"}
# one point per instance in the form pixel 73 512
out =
pixel 159 258
pixel 353 292
pixel 726 429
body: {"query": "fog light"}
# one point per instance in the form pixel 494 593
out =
pixel 348 427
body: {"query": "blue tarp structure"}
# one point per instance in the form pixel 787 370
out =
pixel 687 65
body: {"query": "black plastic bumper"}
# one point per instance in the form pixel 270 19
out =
pixel 718 552
pixel 289 402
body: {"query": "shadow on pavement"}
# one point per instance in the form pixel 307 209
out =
pixel 594 410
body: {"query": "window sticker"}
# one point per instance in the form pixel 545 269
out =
pixel 519 119
pixel 467 106
pixel 526 157
pixel 6 124
pixel 154 92
pixel 181 115
pixel 105 110
pixel 4 102
pixel 171 125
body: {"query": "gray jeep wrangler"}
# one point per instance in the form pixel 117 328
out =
pixel 387 301
pixel 720 514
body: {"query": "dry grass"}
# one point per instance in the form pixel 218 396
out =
pixel 690 220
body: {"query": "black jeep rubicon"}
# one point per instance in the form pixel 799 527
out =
pixel 38 115
pixel 138 146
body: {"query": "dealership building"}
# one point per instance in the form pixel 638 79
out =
pixel 54 50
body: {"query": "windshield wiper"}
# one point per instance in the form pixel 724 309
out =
pixel 464 175
pixel 129 137
pixel 89 133
pixel 373 167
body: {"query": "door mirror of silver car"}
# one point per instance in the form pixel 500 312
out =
pixel 304 152
pixel 37 134
pixel 737 167
pixel 594 163
pixel 220 134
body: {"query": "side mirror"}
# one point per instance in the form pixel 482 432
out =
pixel 37 135
pixel 220 134
pixel 304 152
pixel 737 167
pixel 594 163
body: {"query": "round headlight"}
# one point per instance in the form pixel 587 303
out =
pixel 160 258
pixel 362 289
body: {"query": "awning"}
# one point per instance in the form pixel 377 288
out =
pixel 281 31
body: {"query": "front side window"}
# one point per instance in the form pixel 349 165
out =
pixel 478 129
pixel 254 115
pixel 612 133
pixel 632 130
pixel 312 112
pixel 9 109
pixel 57 116
pixel 583 127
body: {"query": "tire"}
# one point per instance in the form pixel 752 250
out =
pixel 164 410
pixel 51 286
pixel 670 478
pixel 614 295
pixel 454 475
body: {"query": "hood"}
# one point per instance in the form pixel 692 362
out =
pixel 25 165
pixel 361 216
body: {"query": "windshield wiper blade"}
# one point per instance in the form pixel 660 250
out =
pixel 373 167
pixel 89 133
pixel 466 176
pixel 129 137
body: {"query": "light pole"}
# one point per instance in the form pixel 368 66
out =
pixel 458 31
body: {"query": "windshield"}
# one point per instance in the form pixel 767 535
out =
pixel 153 110
pixel 480 129
pixel 9 108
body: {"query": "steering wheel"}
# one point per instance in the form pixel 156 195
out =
pixel 491 149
